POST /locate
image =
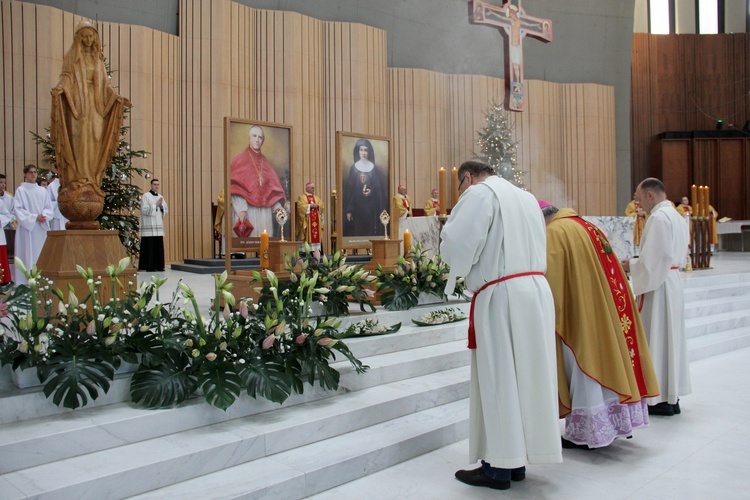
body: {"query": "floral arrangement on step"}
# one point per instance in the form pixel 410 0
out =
pixel 369 327
pixel 415 274
pixel 440 316
pixel 74 344
pixel 269 351
pixel 339 279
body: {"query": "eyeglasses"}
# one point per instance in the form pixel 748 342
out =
pixel 32 172
pixel 462 180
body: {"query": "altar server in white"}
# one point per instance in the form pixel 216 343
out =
pixel 657 283
pixel 57 223
pixel 33 210
pixel 495 238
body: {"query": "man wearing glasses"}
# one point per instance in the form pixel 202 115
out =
pixel 495 238
pixel 33 210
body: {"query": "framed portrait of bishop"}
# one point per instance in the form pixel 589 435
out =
pixel 257 180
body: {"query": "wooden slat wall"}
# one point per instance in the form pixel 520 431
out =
pixel 566 142
pixel 144 62
pixel 683 83
pixel 316 76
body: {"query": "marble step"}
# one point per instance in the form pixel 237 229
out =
pixel 722 290
pixel 713 344
pixel 55 437
pixel 315 468
pixel 23 404
pixel 697 327
pixel 699 279
pixel 177 457
pixel 709 307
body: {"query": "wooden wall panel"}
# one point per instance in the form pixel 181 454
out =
pixel 721 163
pixel 676 171
pixel 685 83
pixel 729 184
pixel 317 77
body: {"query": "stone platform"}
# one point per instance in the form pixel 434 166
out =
pixel 412 401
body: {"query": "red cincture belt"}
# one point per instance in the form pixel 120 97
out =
pixel 472 334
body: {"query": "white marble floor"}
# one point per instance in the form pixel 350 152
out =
pixel 700 454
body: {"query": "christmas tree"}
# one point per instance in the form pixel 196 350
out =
pixel 497 148
pixel 121 197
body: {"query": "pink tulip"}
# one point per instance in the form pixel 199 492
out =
pixel 268 342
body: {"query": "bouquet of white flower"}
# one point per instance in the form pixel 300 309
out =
pixel 369 327
pixel 440 316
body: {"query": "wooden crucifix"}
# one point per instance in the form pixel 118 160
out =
pixel 515 24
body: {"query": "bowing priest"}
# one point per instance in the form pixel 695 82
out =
pixel 310 218
pixel 33 210
pixel 495 238
pixel 604 369
pixel 656 281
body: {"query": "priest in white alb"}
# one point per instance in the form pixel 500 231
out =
pixel 657 283
pixel 495 238
pixel 33 210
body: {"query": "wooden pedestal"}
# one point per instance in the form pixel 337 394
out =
pixel 243 282
pixel 88 248
pixel 385 253
pixel 276 252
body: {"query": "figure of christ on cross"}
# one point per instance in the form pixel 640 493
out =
pixel 516 24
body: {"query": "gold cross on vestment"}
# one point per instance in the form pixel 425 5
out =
pixel 515 24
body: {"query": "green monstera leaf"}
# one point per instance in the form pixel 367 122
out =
pixel 268 380
pixel 220 383
pixel 72 380
pixel 163 385
pixel 399 299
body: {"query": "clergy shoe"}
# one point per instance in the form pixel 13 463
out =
pixel 570 445
pixel 477 477
pixel 663 409
pixel 676 408
pixel 518 474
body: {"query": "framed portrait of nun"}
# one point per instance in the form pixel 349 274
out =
pixel 363 169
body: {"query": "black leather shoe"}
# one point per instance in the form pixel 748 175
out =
pixel 662 409
pixel 518 474
pixel 477 477
pixel 676 408
pixel 570 445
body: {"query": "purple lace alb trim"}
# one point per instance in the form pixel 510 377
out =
pixel 599 426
